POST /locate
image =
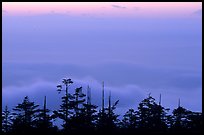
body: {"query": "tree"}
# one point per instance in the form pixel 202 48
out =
pixel 6 120
pixel 43 122
pixel 76 121
pixel 151 115
pixel 88 113
pixel 112 119
pixel 180 118
pixel 25 116
pixel 79 99
pixel 107 119
pixel 64 113
pixel 130 119
pixel 195 121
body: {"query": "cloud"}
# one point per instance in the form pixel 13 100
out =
pixel 114 73
pixel 129 83
pixel 13 95
pixel 117 6
pixel 129 96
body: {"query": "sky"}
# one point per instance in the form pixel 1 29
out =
pixel 136 48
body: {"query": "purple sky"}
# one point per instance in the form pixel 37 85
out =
pixel 134 56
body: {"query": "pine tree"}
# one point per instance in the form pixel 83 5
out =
pixel 160 117
pixel 77 120
pixel 180 118
pixel 151 115
pixel 88 113
pixel 108 120
pixel 195 121
pixel 6 120
pixel 64 111
pixel 44 123
pixel 112 118
pixel 130 119
pixel 25 116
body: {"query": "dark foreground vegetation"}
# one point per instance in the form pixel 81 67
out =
pixel 81 116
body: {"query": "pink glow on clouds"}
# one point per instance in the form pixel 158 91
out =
pixel 130 9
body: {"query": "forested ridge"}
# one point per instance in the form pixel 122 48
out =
pixel 80 115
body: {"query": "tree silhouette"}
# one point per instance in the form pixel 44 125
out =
pixel 160 117
pixel 195 121
pixel 6 120
pixel 180 118
pixel 88 113
pixel 76 121
pixel 63 113
pixel 108 120
pixel 151 115
pixel 43 122
pixel 112 119
pixel 130 119
pixel 25 116
pixel 80 115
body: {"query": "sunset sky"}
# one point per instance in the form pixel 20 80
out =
pixel 104 9
pixel 135 48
